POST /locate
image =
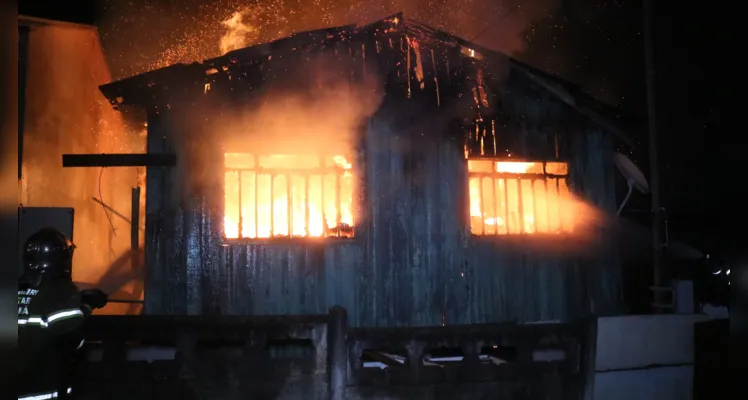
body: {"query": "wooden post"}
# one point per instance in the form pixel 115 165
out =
pixel 135 220
pixel 415 355
pixel 23 55
pixel 337 351
pixel 135 238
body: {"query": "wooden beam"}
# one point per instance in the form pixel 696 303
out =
pixel 135 220
pixel 119 160
pixel 137 289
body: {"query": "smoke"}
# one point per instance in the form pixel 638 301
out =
pixel 196 31
pixel 316 109
pixel 318 112
pixel 586 231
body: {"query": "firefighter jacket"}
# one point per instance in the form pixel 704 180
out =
pixel 50 319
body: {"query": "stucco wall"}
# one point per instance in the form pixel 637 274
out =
pixel 66 113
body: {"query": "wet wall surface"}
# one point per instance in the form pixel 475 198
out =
pixel 412 260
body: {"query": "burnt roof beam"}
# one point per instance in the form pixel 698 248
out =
pixel 119 160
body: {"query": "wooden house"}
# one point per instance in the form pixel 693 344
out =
pixel 440 209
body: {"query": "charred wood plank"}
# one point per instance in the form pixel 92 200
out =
pixel 118 160
pixel 134 246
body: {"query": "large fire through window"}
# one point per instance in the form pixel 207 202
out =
pixel 519 197
pixel 277 196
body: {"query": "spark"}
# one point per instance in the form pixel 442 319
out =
pixel 186 32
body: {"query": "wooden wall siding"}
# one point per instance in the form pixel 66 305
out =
pixel 594 171
pixel 165 283
pixel 511 281
pixel 183 218
pixel 415 240
pixel 412 261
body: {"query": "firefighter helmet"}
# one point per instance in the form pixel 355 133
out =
pixel 48 252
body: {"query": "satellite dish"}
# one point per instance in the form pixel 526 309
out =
pixel 634 177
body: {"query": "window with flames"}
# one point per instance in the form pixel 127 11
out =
pixel 287 196
pixel 519 197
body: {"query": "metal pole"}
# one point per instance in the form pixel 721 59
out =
pixel 654 164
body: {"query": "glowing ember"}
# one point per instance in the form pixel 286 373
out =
pixel 418 68
pixel 287 196
pixel 519 197
pixel 194 31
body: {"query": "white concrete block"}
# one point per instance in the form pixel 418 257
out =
pixel 636 341
pixel 667 383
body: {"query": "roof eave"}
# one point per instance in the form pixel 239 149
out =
pixel 29 21
pixel 130 91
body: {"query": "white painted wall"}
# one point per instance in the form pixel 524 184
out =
pixel 645 357
pixel 663 383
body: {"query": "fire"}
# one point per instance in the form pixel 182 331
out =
pixel 288 196
pixel 537 200
pixel 238 34
pixel 514 167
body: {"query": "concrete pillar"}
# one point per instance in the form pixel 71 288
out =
pixel 337 349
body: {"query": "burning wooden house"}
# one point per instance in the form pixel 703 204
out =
pixel 425 192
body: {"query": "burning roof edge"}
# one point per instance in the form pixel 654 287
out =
pixel 570 94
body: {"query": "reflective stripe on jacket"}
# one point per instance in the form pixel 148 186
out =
pixel 50 321
pixel 44 396
pixel 45 321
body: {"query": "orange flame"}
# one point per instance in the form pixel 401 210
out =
pixel 309 195
pixel 536 201
pixel 239 34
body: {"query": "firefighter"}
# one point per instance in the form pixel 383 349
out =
pixel 51 311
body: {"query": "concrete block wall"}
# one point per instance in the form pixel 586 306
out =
pixel 645 357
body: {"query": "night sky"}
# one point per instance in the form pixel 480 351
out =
pixel 596 44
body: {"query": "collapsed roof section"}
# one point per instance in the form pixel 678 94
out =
pixel 155 87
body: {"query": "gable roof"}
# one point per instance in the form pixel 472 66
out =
pixel 126 90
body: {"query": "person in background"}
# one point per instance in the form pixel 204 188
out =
pixel 51 312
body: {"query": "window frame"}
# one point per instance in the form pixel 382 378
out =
pixel 517 177
pixel 320 171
